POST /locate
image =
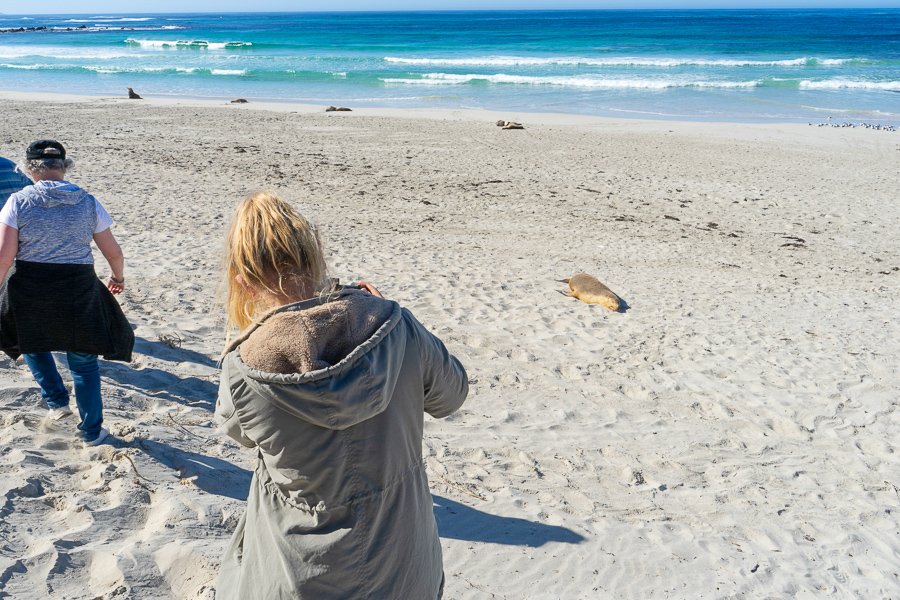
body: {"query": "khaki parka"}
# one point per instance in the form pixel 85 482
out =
pixel 332 395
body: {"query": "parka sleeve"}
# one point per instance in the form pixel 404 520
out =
pixel 226 414
pixel 445 379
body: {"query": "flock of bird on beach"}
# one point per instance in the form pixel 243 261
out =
pixel 864 125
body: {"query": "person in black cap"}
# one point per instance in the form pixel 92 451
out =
pixel 54 301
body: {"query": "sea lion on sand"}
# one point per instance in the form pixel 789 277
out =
pixel 588 288
pixel 133 95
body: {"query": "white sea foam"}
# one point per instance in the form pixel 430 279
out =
pixel 502 61
pixel 26 67
pixel 110 20
pixel 576 81
pixel 196 44
pixel 105 69
pixel 847 84
pixel 155 43
pixel 96 27
pixel 61 52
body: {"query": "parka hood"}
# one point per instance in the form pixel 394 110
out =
pixel 332 363
pixel 48 194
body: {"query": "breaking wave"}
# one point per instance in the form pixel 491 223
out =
pixel 110 20
pixel 504 61
pixel 845 84
pixel 187 44
pixel 575 81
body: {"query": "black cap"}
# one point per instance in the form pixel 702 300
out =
pixel 45 149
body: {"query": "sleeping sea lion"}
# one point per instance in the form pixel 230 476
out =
pixel 588 288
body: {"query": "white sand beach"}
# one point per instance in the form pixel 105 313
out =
pixel 733 432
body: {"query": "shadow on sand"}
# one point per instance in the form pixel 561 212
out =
pixel 161 383
pixel 170 353
pixel 212 475
pixel 460 522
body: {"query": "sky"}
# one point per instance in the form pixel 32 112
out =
pixel 115 7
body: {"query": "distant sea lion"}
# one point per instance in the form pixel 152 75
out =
pixel 513 125
pixel 239 101
pixel 588 288
pixel 340 108
pixel 133 95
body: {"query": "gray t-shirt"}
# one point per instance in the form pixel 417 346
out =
pixel 57 221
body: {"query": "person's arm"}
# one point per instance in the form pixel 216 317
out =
pixel 111 251
pixel 445 379
pixel 368 287
pixel 225 413
pixel 9 247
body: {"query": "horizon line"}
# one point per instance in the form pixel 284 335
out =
pixel 467 10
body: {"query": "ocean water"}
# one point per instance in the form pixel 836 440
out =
pixel 803 65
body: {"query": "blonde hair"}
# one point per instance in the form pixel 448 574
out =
pixel 270 245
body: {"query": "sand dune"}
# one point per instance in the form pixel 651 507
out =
pixel 732 432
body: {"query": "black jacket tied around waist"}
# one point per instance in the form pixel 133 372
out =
pixel 48 307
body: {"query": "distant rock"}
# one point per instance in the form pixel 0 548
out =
pixel 133 95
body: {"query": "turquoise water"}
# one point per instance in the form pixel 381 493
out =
pixel 711 64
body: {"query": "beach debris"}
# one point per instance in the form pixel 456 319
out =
pixel 793 242
pixel 172 340
pixel 239 101
pixel 589 290
pixel 123 454
pixel 338 108
pixel 133 95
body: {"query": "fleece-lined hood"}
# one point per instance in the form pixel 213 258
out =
pixel 48 194
pixel 333 364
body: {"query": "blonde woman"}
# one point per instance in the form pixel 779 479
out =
pixel 330 387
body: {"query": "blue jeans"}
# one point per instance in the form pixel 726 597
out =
pixel 86 377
